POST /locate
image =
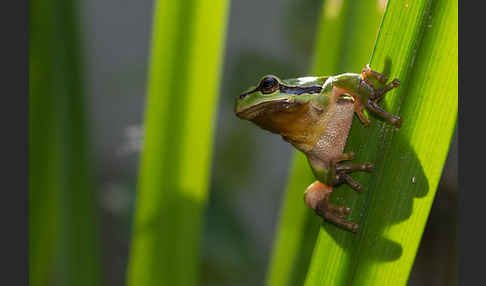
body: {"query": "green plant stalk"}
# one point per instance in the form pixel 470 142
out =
pixel 417 43
pixel 185 69
pixel 345 39
pixel 63 242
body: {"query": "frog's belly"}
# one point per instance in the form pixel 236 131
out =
pixel 331 143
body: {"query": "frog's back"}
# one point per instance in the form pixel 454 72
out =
pixel 307 81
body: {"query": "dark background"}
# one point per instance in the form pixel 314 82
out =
pixel 263 37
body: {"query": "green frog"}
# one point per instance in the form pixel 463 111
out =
pixel 314 114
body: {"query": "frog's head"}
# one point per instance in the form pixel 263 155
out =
pixel 263 98
pixel 273 95
pixel 282 106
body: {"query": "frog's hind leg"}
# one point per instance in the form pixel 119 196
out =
pixel 317 197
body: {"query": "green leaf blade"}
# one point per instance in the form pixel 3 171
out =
pixel 393 210
pixel 187 46
pixel 417 43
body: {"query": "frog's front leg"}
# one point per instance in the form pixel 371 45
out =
pixel 367 95
pixel 371 102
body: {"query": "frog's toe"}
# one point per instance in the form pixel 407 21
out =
pixel 368 72
pixel 349 168
pixel 336 218
pixel 352 183
pixel 340 211
pixel 396 121
pixel 336 215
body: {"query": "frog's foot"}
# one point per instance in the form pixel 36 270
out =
pixel 317 198
pixel 378 95
pixel 342 171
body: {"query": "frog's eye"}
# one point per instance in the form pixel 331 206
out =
pixel 268 85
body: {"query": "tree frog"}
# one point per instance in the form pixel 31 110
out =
pixel 314 114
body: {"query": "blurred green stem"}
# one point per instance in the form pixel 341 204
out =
pixel 186 57
pixel 63 239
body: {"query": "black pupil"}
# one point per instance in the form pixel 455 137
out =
pixel 268 84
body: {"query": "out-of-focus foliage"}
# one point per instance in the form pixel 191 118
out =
pixel 63 244
pixel 186 58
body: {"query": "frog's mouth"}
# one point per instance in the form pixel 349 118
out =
pixel 266 108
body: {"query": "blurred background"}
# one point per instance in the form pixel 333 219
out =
pixel 249 166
